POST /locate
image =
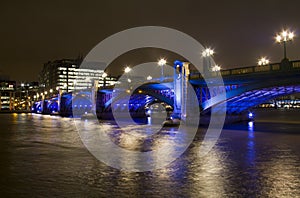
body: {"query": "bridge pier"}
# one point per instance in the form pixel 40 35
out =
pixel 59 100
pixel 183 103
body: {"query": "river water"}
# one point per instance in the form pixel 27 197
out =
pixel 43 156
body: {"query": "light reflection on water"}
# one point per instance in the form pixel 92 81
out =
pixel 44 156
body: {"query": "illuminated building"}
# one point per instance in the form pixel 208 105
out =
pixel 72 74
pixel 7 94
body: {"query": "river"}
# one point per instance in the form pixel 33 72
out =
pixel 43 156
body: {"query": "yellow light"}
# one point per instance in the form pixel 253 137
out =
pixel 284 33
pixel 208 52
pixel 284 36
pixel 291 35
pixel 278 38
pixel 127 69
pixel 263 61
pixel 216 68
pixel 162 62
pixel 140 91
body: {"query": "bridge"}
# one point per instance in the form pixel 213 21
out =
pixel 244 88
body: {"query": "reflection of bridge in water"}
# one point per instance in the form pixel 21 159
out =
pixel 245 88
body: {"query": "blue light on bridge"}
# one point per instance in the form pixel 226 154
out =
pixel 178 63
pixel 250 115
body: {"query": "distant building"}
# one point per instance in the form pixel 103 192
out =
pixel 7 94
pixel 70 74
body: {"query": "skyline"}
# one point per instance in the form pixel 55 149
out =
pixel 34 33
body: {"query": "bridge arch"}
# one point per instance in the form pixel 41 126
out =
pixel 52 106
pixel 248 96
pixel 78 103
pixel 147 98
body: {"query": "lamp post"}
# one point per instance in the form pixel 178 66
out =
pixel 104 75
pixel 22 87
pixel 127 70
pixel 207 53
pixel 263 61
pixel 161 63
pixel 284 37
pixel 51 91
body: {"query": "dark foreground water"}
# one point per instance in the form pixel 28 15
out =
pixel 43 156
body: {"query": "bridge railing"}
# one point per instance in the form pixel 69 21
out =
pixel 295 65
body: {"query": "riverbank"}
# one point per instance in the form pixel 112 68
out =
pixel 14 111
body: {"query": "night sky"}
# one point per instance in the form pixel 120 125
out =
pixel 34 32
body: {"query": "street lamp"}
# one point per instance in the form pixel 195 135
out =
pixel 207 52
pixel 216 68
pixel 104 75
pixel 284 37
pixel 263 61
pixel 161 63
pixel 127 69
pixel 149 77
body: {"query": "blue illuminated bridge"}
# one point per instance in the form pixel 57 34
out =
pixel 244 89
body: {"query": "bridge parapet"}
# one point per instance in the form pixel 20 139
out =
pixel 275 67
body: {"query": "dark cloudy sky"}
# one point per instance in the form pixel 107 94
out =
pixel 33 32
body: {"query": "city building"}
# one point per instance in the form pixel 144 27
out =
pixel 7 94
pixel 24 94
pixel 17 95
pixel 73 74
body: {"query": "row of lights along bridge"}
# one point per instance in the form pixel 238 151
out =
pixel 282 37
